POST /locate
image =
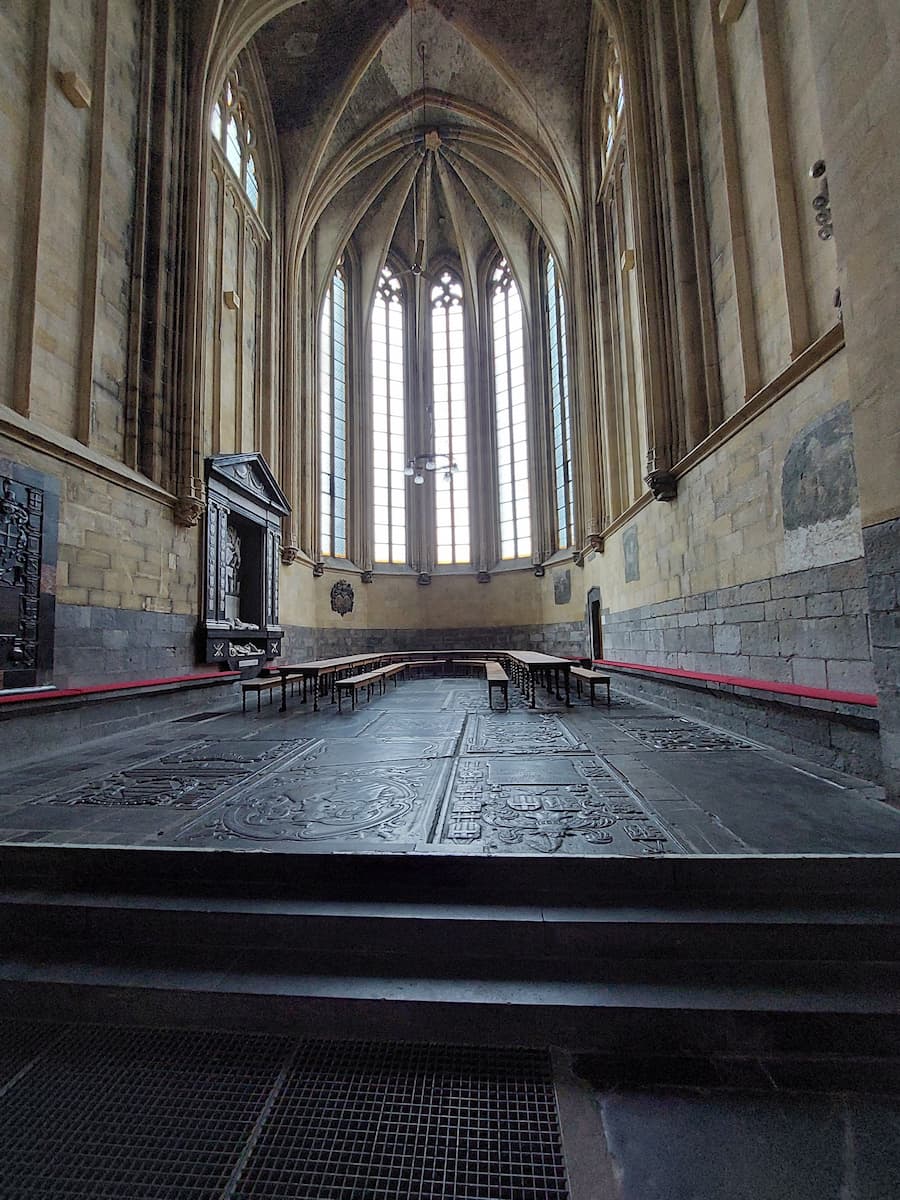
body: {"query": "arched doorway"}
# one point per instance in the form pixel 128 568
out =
pixel 594 623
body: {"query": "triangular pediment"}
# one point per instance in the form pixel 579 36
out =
pixel 251 475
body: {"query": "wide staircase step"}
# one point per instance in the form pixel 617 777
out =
pixel 737 954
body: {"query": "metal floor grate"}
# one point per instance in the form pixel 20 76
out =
pixel 360 1121
pixel 158 1115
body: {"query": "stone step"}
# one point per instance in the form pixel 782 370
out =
pixel 696 1007
pixel 460 931
pixel 472 878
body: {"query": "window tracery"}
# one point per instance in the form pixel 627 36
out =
pixel 451 487
pixel 233 132
pixel 388 421
pixel 612 103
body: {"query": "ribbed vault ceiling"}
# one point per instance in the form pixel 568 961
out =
pixel 502 90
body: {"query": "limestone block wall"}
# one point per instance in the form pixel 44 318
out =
pixel 565 639
pixel 760 131
pixel 127 577
pixel 757 568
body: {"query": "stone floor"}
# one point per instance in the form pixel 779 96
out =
pixel 429 767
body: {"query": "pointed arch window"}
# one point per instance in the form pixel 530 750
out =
pixel 451 486
pixel 557 334
pixel 612 101
pixel 388 421
pixel 232 131
pixel 333 420
pixel 510 414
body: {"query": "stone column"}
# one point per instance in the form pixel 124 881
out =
pixel 856 49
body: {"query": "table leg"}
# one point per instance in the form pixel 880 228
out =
pixel 567 675
pixel 533 687
pixel 316 683
pixel 283 692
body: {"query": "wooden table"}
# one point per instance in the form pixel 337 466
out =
pixel 320 668
pixel 528 664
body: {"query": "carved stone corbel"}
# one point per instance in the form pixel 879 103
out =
pixel 663 485
pixel 318 570
pixel 539 571
pixel 423 579
pixel 189 510
pixel 289 554
pixel 367 577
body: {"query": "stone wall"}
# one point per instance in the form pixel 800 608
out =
pixel 882 542
pixel 843 737
pixel 806 627
pixel 109 645
pixel 564 639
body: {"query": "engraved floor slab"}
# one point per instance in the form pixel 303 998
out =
pixel 405 725
pixel 392 776
pixel 686 737
pixel 520 733
pixel 366 803
pixel 596 814
pixel 334 753
pixel 186 778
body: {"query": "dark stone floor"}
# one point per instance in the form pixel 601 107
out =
pixel 429 767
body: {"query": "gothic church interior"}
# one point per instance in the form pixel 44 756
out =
pixel 401 326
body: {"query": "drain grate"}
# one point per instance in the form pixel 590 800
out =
pixel 19 1044
pixel 361 1121
pixel 134 1115
pixel 159 1114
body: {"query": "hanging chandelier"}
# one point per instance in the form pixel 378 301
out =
pixel 419 462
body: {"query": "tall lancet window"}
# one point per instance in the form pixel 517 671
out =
pixel 450 464
pixel 333 420
pixel 388 421
pixel 559 403
pixel 232 130
pixel 511 414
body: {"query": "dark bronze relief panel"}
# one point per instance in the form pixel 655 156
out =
pixel 29 517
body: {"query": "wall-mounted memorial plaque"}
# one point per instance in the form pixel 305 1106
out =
pixel 240 626
pixel 29 518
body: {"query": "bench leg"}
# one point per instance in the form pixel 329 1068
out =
pixel 608 702
pixel 593 691
pixel 244 701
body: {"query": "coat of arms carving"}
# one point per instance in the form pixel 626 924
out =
pixel 342 597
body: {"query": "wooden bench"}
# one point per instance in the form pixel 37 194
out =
pixel 367 680
pixel 393 670
pixel 425 662
pixel 583 675
pixel 496 678
pixel 260 685
pixel 470 662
